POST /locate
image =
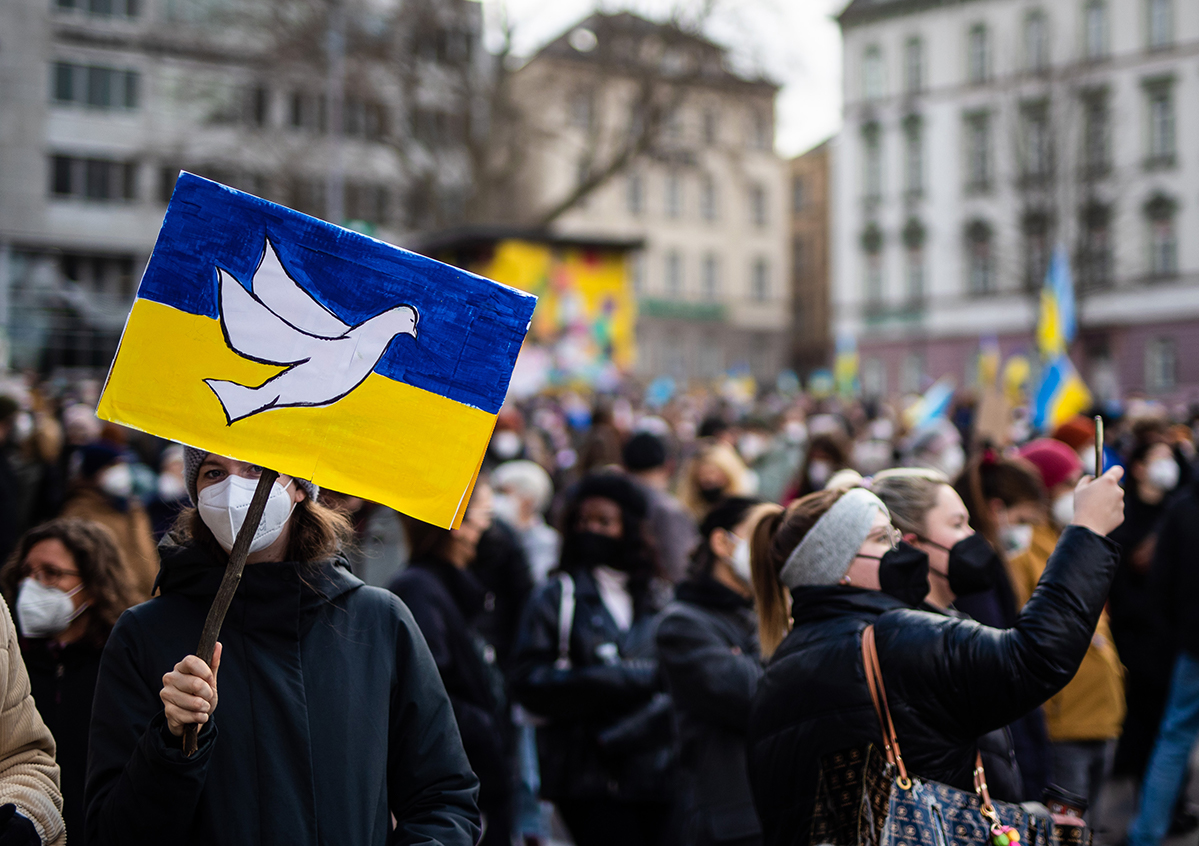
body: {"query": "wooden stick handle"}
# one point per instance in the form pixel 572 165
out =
pixel 229 583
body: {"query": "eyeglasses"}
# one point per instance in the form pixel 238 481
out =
pixel 47 575
pixel 886 534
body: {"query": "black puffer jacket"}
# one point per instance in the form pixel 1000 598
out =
pixel 948 681
pixel 608 716
pixel 1174 575
pixel 708 646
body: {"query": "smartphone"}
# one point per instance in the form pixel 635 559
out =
pixel 1098 446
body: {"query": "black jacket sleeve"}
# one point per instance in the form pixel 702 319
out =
pixel 704 674
pixel 139 783
pixel 600 691
pixel 984 678
pixel 431 789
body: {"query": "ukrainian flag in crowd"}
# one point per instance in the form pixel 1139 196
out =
pixel 1062 393
pixel 272 337
pixel 845 366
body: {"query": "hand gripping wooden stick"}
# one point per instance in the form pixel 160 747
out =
pixel 229 583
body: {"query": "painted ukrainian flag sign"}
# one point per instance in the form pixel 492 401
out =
pixel 272 337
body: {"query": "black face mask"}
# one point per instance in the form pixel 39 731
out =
pixel 903 573
pixel 590 549
pixel 711 495
pixel 972 565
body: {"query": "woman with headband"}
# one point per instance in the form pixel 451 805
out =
pixel 948 680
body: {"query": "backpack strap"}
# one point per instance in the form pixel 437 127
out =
pixel 566 620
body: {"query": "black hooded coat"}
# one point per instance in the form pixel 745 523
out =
pixel 331 718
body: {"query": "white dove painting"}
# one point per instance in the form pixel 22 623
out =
pixel 280 323
pixel 272 337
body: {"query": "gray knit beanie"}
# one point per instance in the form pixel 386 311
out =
pixel 193 458
pixel 829 547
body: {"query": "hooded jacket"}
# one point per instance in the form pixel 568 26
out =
pixel 948 680
pixel 331 717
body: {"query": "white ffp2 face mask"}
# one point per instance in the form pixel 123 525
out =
pixel 223 508
pixel 740 559
pixel 1063 508
pixel 43 610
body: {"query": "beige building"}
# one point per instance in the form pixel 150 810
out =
pixel 811 343
pixel 680 153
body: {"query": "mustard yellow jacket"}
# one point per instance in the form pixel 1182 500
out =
pixel 1091 706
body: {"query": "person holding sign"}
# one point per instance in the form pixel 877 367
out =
pixel 322 717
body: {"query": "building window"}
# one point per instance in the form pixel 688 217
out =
pixel 1038 147
pixel 1163 237
pixel 94 86
pixel 1036 228
pixel 1095 29
pixel 913 66
pixel 799 256
pixel 914 276
pixel 760 280
pixel 635 193
pixel 638 270
pixel 1096 152
pixel 980 262
pixel 711 127
pixel 872 73
pixel 711 277
pixel 757 205
pixel 978 152
pixel 1160 22
pixel 707 198
pixel 674 274
pixel 799 194
pixel 107 8
pixel 763 136
pixel 674 195
pixel 1160 102
pixel 872 284
pixel 1095 258
pixel 872 160
pixel 913 156
pixel 978 59
pixel 1036 42
pixel 102 180
pixel 1161 365
pixel 911 373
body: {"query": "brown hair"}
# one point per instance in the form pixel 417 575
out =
pixel 1007 479
pixel 318 533
pixel 100 564
pixel 909 496
pixel 774 539
pixel 424 539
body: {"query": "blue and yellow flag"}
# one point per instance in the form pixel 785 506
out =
pixel 1057 324
pixel 1062 394
pixel 272 337
pixel 845 365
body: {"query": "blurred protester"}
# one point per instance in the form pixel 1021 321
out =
pixel 601 443
pixel 523 491
pixel 103 493
pixel 507 441
pixel 585 662
pixel 1136 609
pixel 714 472
pixel 66 583
pixel 446 600
pixel 673 527
pixel 170 495
pixel 828 453
pixel 960 563
pixel 503 570
pixel 948 680
pixel 303 640
pixel 1085 718
pixel 937 445
pixel 875 451
pixel 1175 579
pixel 11 499
pixel 708 646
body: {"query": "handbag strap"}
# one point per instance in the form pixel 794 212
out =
pixel 878 694
pixel 566 620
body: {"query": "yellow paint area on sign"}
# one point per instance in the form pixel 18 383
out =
pixel 578 289
pixel 399 432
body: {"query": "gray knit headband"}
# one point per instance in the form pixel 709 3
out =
pixel 829 547
pixel 193 458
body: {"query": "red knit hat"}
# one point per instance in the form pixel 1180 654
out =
pixel 1055 461
pixel 1076 432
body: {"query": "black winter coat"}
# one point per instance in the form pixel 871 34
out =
pixel 62 679
pixel 331 717
pixel 708 646
pixel 948 680
pixel 445 601
pixel 1174 575
pixel 607 730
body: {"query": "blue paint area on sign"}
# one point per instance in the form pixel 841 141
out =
pixel 470 328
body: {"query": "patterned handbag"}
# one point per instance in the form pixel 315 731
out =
pixel 865 798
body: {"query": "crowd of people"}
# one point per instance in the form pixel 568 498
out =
pixel 648 625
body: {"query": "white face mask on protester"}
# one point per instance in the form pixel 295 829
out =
pixel 116 481
pixel 223 508
pixel 1016 538
pixel 1063 508
pixel 43 610
pixel 740 559
pixel 819 472
pixel 1163 474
